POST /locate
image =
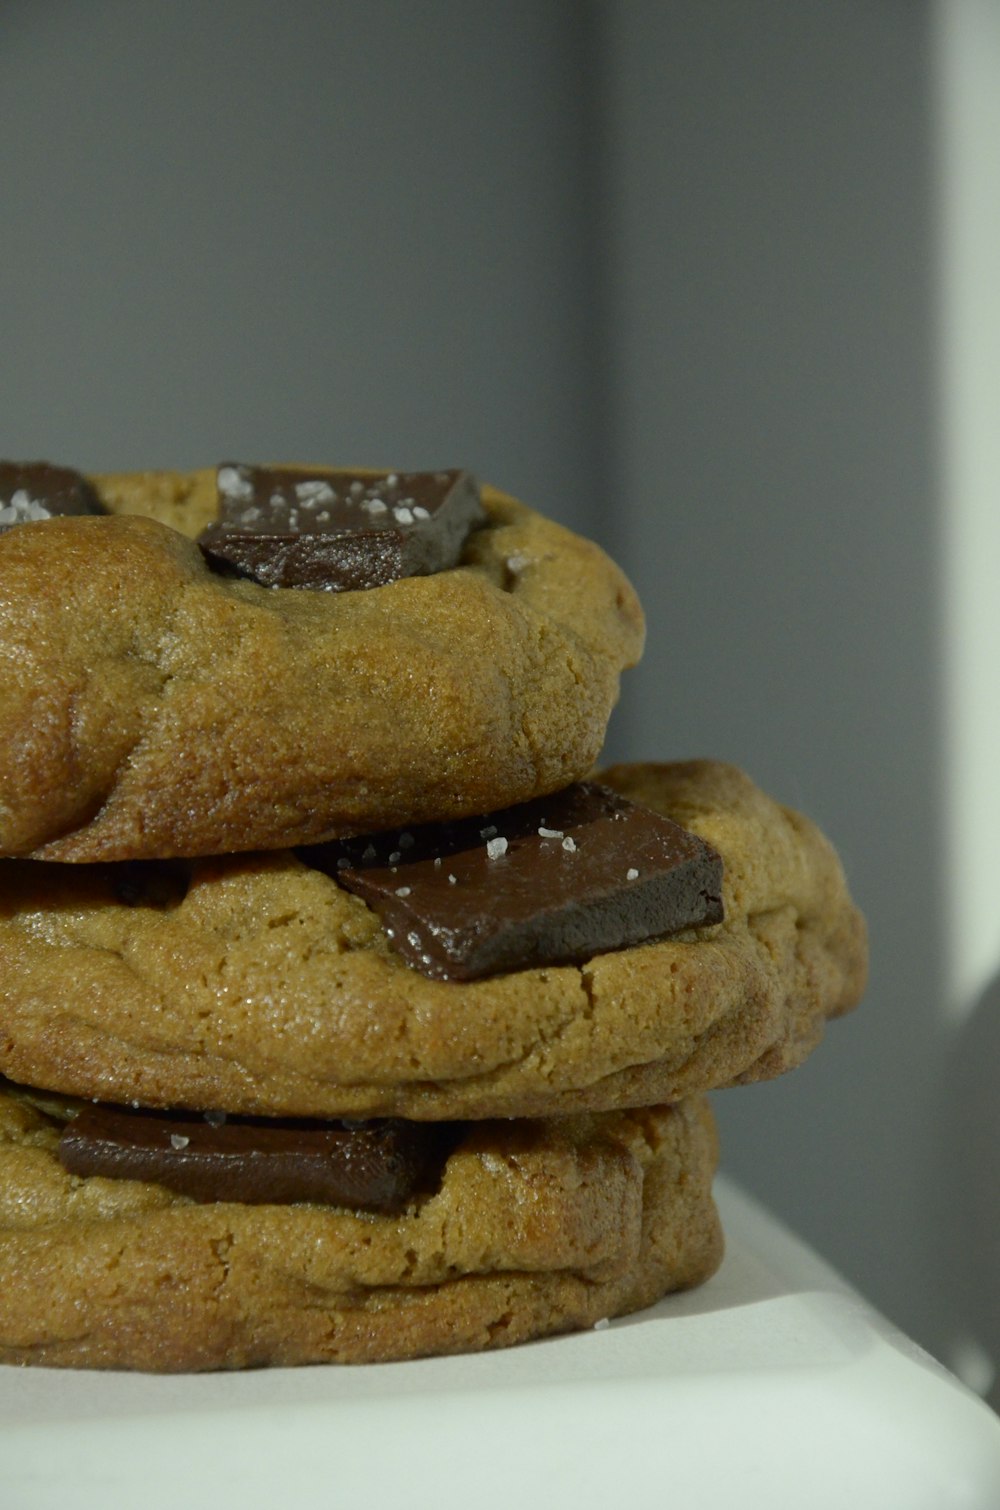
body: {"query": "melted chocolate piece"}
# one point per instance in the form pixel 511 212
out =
pixel 374 1166
pixel 31 490
pixel 336 530
pixel 553 881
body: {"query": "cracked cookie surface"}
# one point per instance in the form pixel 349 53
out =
pixel 256 984
pixel 536 1228
pixel 151 708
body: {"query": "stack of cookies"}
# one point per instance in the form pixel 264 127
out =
pixel 345 1013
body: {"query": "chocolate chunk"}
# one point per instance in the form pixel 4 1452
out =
pixel 150 883
pixel 339 531
pixel 375 1166
pixel 553 881
pixel 31 490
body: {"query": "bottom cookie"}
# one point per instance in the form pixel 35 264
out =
pixel 536 1227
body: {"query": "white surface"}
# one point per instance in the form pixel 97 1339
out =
pixel 774 1387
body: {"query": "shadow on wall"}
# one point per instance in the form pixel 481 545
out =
pixel 969 1204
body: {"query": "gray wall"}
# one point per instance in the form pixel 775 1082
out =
pixel 772 314
pixel 302 230
pixel 666 271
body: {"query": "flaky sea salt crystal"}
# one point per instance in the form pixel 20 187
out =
pixel 313 491
pixel 549 833
pixel 569 845
pixel 402 891
pixel 632 874
pixel 232 483
pixel 178 1141
pixel 603 1324
pixel 496 847
pixel 23 509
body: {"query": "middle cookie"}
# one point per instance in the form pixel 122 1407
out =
pixel 257 984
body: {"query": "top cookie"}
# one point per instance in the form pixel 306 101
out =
pixel 152 707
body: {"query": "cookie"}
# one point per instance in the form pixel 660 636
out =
pixel 258 984
pixel 154 707
pixel 534 1228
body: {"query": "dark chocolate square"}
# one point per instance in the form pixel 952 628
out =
pixel 339 531
pixel 553 881
pixel 36 490
pixel 374 1166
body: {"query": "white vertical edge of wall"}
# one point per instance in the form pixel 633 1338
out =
pixel 966 64
pixel 967 83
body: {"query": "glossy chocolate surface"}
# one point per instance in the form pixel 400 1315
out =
pixel 339 531
pixel 34 490
pixel 553 881
pixel 373 1166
